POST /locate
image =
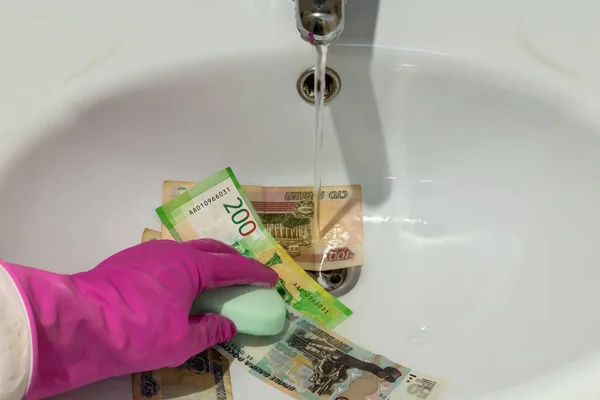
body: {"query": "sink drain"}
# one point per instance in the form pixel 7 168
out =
pixel 306 85
pixel 338 281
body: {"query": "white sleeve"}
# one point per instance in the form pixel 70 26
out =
pixel 15 341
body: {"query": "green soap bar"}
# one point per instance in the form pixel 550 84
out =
pixel 254 310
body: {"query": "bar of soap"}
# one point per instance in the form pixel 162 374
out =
pixel 254 310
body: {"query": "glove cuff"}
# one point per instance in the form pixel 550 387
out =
pixel 55 312
pixel 16 342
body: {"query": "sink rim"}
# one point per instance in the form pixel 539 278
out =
pixel 560 97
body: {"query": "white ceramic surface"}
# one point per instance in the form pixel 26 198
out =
pixel 478 163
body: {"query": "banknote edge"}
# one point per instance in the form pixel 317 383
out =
pixel 199 188
pixel 164 218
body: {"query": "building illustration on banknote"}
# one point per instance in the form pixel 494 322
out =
pixel 331 366
pixel 290 223
pixel 314 363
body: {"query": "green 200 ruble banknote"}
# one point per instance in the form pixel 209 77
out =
pixel 218 208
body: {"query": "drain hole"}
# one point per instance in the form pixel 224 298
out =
pixel 338 281
pixel 306 85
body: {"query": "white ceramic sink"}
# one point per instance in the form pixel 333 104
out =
pixel 480 201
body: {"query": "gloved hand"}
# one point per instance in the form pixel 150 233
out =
pixel 130 313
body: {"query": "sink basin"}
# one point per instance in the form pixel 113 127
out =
pixel 480 200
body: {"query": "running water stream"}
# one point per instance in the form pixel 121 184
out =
pixel 320 65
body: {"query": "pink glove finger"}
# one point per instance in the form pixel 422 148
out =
pixel 211 246
pixel 208 330
pixel 219 270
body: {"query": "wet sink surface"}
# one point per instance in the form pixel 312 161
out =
pixel 480 200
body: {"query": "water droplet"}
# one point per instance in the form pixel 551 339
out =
pixel 419 336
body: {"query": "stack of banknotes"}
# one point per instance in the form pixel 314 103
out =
pixel 308 360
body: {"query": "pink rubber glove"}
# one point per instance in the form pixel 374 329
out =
pixel 130 313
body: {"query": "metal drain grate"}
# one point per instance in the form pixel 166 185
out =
pixel 306 85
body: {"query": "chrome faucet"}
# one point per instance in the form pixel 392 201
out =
pixel 320 21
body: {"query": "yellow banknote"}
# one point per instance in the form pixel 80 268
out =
pixel 150 234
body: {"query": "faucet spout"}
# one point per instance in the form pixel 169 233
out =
pixel 320 22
